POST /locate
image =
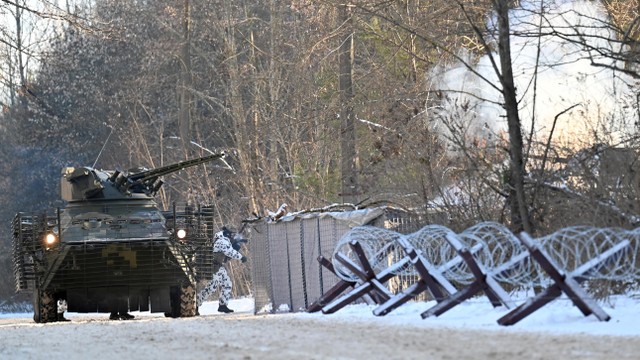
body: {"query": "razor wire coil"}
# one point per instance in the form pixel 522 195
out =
pixel 494 247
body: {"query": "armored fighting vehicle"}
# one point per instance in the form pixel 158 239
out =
pixel 111 249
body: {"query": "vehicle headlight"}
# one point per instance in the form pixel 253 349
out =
pixel 181 233
pixel 50 240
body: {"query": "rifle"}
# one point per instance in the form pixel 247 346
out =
pixel 238 239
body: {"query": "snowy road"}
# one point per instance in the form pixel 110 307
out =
pixel 288 336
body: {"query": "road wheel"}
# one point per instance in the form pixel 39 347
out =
pixel 187 301
pixel 44 306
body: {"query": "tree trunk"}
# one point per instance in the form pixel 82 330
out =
pixel 185 80
pixel 347 117
pixel 19 55
pixel 520 215
pixel 238 112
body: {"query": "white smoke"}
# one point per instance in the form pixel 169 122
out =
pixel 599 98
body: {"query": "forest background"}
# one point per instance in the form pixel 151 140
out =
pixel 457 111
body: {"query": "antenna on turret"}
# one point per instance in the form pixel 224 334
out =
pixel 103 146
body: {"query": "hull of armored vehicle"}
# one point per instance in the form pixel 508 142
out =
pixel 121 257
pixel 111 249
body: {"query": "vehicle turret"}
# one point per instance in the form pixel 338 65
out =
pixel 86 183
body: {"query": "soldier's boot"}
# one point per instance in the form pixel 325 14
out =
pixel 61 317
pixel 224 309
pixel 126 316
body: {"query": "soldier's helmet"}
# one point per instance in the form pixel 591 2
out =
pixel 227 232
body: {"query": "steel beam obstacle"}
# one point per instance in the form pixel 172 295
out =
pixel 369 286
pixel 372 284
pixel 484 281
pixel 334 291
pixel 569 257
pixel 563 282
pixel 431 280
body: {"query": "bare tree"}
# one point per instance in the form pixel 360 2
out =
pixel 520 208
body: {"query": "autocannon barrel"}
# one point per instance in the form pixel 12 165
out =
pixel 148 179
pixel 144 176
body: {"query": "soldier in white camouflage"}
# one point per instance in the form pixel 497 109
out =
pixel 224 247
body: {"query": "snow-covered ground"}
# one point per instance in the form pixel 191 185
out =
pixel 559 316
pixel 558 330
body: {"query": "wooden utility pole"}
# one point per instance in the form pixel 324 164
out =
pixel 184 116
pixel 349 162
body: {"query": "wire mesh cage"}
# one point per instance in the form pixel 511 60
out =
pixel 286 273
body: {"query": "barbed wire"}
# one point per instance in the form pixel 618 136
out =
pixel 495 247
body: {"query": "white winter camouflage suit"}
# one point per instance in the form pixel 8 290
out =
pixel 221 244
